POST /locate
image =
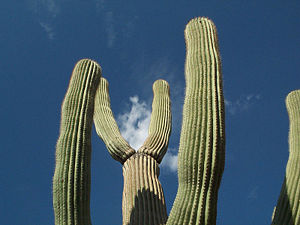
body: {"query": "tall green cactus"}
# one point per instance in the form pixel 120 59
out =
pixel 71 182
pixel 202 142
pixel 287 211
pixel 201 151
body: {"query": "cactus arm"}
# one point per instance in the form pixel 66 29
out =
pixel 106 126
pixel 202 141
pixel 160 124
pixel 71 182
pixel 287 210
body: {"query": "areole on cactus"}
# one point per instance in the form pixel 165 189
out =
pixel 201 151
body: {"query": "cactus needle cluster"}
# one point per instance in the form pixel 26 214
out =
pixel 201 155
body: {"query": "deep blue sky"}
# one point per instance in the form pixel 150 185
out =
pixel 136 43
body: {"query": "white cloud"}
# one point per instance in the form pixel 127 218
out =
pixel 135 123
pixel 134 128
pixel 108 19
pixel 48 29
pixel 110 29
pixel 115 24
pixel 45 8
pixel 99 5
pixel 46 12
pixel 52 7
pixel 241 104
pixel 170 160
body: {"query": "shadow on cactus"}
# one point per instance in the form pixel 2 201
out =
pixel 201 151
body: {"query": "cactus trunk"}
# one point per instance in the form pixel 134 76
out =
pixel 143 197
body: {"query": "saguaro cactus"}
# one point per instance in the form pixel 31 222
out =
pixel 143 199
pixel 202 141
pixel 71 182
pixel 287 211
pixel 201 151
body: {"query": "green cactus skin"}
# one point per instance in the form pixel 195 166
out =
pixel 71 182
pixel 202 142
pixel 287 211
pixel 143 198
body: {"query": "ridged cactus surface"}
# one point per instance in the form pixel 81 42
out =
pixel 287 211
pixel 202 141
pixel 71 182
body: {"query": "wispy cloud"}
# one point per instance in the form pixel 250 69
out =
pixel 253 193
pixel 47 8
pixel 170 160
pixel 52 7
pixel 108 19
pixel 135 123
pixel 99 5
pixel 241 104
pixel 110 29
pixel 48 29
pixel 115 24
pixel 46 12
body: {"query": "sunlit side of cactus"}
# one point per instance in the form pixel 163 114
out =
pixel 287 211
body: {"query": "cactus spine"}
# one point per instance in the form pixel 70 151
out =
pixel 71 182
pixel 287 211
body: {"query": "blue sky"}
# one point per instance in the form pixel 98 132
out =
pixel 135 43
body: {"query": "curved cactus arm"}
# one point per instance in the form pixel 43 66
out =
pixel 106 126
pixel 202 142
pixel 157 142
pixel 287 210
pixel 71 182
